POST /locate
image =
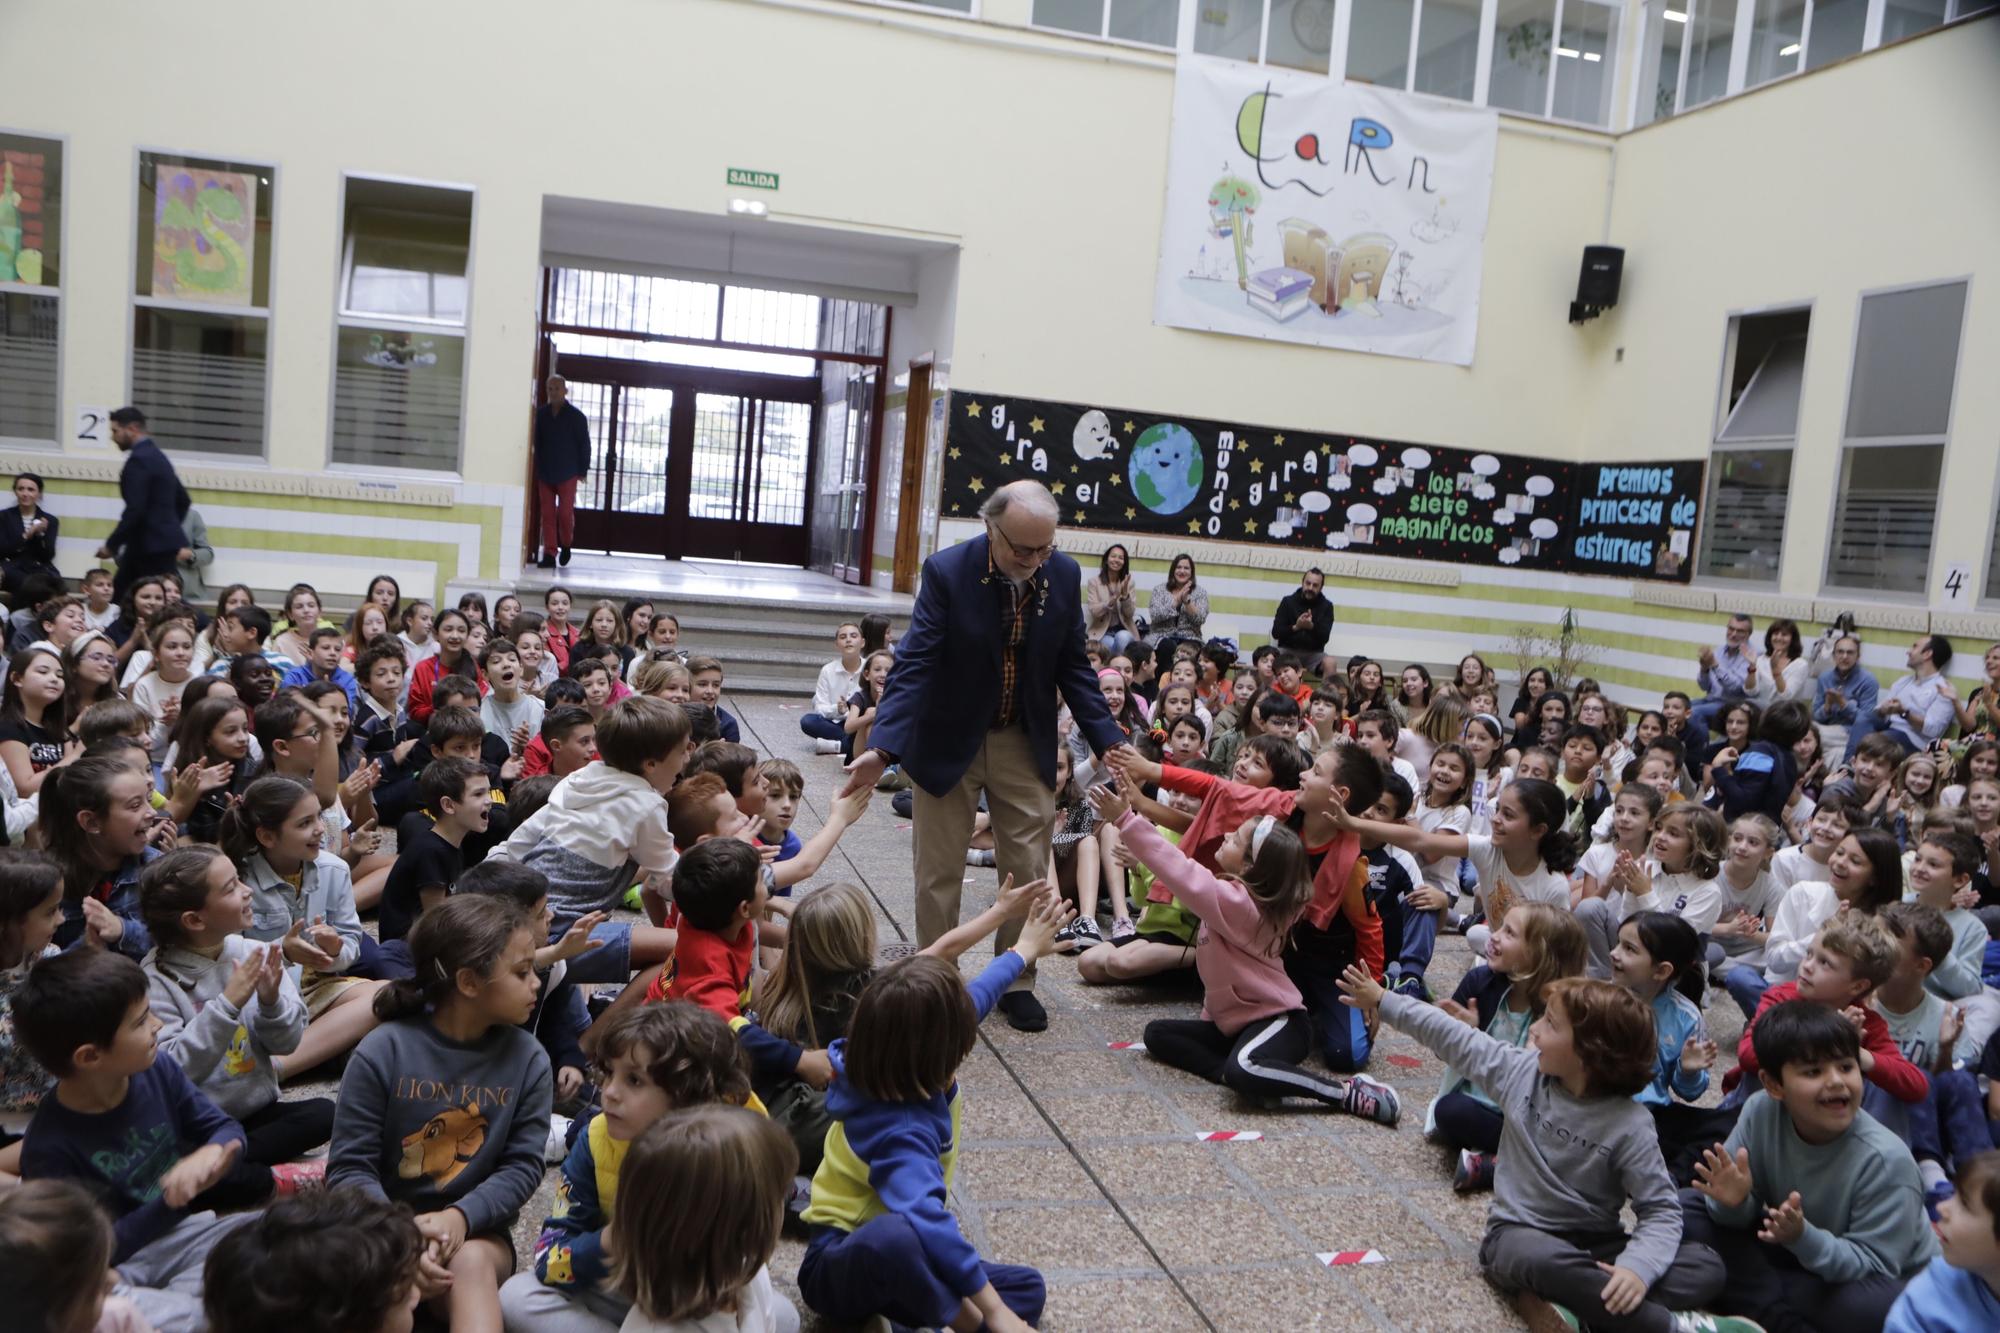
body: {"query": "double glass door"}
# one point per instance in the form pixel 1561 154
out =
pixel 693 463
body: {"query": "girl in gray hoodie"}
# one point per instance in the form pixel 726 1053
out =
pixel 226 1005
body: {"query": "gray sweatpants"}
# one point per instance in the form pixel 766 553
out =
pixel 164 1277
pixel 1563 1269
pixel 528 1305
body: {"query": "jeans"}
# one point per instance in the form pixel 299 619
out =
pixel 1867 725
pixel 880 1268
pixel 1466 1122
pixel 823 728
pixel 1746 986
pixel 1117 641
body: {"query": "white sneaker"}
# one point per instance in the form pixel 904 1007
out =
pixel 557 1148
pixel 824 746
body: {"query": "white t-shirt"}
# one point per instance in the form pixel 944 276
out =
pixel 502 717
pixel 100 619
pixel 1408 773
pixel 1598 863
pixel 151 694
pixel 1692 898
pixel 759 1309
pixel 1761 899
pixel 1793 866
pixel 418 652
pixel 1501 889
pixel 1808 906
pixel 1442 873
pixel 1485 795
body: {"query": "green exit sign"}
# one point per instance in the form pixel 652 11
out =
pixel 753 180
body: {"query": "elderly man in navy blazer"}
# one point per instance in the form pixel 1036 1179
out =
pixel 995 636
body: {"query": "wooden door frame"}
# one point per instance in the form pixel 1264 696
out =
pixel 916 439
pixel 864 562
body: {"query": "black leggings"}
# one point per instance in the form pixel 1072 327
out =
pixel 1262 1059
pixel 1466 1122
pixel 281 1132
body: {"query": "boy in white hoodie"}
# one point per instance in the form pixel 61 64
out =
pixel 602 825
pixel 838 681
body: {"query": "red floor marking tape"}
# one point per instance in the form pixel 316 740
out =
pixel 1405 1061
pixel 1126 1045
pixel 1228 1136
pixel 1335 1258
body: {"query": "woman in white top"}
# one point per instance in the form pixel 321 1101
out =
pixel 1788 668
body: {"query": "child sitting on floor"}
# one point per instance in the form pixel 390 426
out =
pixel 655 1060
pixel 1961 1288
pixel 1949 1125
pixel 883 1240
pixel 336 1262
pixel 1576 1148
pixel 708 1268
pixel 1815 1208
pixel 1254 1030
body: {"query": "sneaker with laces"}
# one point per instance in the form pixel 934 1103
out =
pixel 295 1178
pixel 556 1148
pixel 1122 929
pixel 1412 986
pixel 1700 1321
pixel 975 856
pixel 1474 1173
pixel 1066 941
pixel 824 746
pixel 1372 1099
pixel 1086 930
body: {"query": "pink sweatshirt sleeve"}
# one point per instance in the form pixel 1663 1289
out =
pixel 1215 900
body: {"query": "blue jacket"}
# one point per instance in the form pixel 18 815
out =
pixel 303 674
pixel 939 701
pixel 1860 689
pixel 1675 1019
pixel 154 504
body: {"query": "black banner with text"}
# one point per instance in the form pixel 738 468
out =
pixel 1132 471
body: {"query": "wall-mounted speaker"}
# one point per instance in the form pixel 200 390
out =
pixel 1597 284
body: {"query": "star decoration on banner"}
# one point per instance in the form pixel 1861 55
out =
pixel 1194 526
pixel 1079 516
pixel 1130 513
pixel 1250 526
pixel 1056 489
pixel 1288 497
pixel 954 452
pixel 1325 448
pixel 1256 465
pixel 1235 504
pixel 1074 468
pixel 972 409
pixel 1278 440
pixel 975 485
pixel 1128 427
pixel 954 509
pixel 1117 480
pixel 1035 424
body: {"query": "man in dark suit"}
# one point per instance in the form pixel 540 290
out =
pixel 148 538
pixel 562 457
pixel 971 703
pixel 1304 621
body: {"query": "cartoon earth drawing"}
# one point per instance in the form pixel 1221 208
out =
pixel 1092 437
pixel 1166 468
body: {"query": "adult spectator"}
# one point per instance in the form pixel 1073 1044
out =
pixel 1844 694
pixel 148 538
pixel 562 456
pixel 1787 668
pixel 1178 610
pixel 1919 708
pixel 1724 673
pixel 27 536
pixel 1109 606
pixel 970 705
pixel 1304 621
pixel 1979 715
pixel 194 559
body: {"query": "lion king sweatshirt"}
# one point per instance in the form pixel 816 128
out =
pixel 436 1123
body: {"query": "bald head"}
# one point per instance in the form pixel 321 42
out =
pixel 1020 527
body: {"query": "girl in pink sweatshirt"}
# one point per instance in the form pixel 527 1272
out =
pixel 1253 1031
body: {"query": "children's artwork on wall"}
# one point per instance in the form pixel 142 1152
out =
pixel 204 235
pixel 1130 471
pixel 1308 210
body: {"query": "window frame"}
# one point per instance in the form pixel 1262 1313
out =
pixel 268 311
pixel 1719 419
pixel 342 318
pixel 936 11
pixel 61 440
pixel 1845 442
pixel 1182 8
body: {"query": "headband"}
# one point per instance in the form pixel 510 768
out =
pixel 1110 671
pixel 1488 717
pixel 1264 827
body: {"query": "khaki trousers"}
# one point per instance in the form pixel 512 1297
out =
pixel 1023 813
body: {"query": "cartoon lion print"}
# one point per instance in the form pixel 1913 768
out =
pixel 444 1147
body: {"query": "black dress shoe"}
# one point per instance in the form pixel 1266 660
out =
pixel 1024 1012
pixel 562 557
pixel 546 562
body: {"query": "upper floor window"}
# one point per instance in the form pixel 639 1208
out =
pixel 31 194
pixel 1145 22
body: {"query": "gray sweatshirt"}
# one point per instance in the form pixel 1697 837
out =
pixel 1567 1164
pixel 224 1051
pixel 437 1124
pixel 1862 1197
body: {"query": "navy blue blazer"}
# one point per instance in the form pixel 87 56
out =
pixel 943 691
pixel 155 503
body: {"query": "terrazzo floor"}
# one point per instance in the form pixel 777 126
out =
pixel 1083 1161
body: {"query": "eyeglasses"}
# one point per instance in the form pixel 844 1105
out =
pixel 1037 554
pixel 309 734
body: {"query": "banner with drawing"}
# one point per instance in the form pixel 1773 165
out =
pixel 1310 211
pixel 1124 470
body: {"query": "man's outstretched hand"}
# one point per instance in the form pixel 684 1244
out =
pixel 863 772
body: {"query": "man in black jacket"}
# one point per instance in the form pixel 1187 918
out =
pixel 1304 621
pixel 148 538
pixel 562 456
